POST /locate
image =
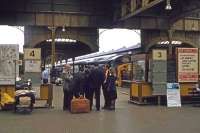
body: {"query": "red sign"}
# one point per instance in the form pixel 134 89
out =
pixel 187 64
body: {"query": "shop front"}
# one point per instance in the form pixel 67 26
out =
pixel 162 64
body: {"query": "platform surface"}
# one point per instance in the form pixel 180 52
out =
pixel 127 118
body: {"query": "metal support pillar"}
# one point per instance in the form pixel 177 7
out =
pixel 53 47
pixel 73 59
pixel 170 38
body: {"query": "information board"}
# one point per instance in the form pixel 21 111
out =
pixel 32 54
pixel 32 66
pixel 173 95
pixel 9 54
pixel 187 64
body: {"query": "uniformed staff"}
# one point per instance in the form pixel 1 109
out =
pixel 67 87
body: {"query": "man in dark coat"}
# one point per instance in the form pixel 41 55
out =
pixel 96 79
pixel 105 85
pixel 86 84
pixel 78 84
pixel 67 88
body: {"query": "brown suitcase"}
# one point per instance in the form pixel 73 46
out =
pixel 80 105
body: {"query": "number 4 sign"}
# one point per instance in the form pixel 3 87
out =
pixel 32 54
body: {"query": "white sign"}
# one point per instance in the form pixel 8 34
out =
pixel 173 95
pixel 19 62
pixel 32 54
pixel 32 66
pixel 8 71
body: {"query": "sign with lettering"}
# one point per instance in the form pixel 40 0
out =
pixel 9 53
pixel 32 54
pixel 173 95
pixel 187 64
pixel 32 66
pixel 159 54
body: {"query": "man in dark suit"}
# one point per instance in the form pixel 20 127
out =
pixel 96 79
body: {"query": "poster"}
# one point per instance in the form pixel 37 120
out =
pixel 187 64
pixel 173 95
pixel 139 67
pixel 32 66
pixel 32 54
pixel 9 54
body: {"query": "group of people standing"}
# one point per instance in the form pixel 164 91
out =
pixel 88 83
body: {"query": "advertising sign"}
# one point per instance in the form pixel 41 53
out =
pixel 32 54
pixel 8 70
pixel 173 95
pixel 187 64
pixel 32 66
pixel 139 67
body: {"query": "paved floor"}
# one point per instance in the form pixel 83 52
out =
pixel 127 118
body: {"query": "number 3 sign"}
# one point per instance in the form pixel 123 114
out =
pixel 159 54
pixel 32 54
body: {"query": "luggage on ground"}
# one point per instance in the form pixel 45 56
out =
pixel 80 105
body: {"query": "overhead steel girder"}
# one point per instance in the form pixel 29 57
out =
pixel 186 24
pixel 184 9
pixel 142 9
pixel 75 13
pixel 56 18
pixel 146 17
pixel 180 9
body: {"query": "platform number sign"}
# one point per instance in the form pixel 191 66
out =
pixel 32 54
pixel 159 54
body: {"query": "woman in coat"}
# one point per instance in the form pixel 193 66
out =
pixel 111 89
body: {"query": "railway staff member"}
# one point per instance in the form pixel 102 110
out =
pixel 67 87
pixel 45 76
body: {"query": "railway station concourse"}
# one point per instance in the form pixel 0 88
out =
pixel 169 53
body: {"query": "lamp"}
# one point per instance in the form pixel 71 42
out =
pixel 168 5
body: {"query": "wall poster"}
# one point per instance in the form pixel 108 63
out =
pixel 9 54
pixel 187 64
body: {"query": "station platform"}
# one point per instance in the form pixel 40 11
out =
pixel 127 118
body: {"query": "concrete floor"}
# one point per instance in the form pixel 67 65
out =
pixel 127 118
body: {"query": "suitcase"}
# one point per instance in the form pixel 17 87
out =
pixel 25 100
pixel 80 105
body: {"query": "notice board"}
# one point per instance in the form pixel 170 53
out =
pixel 9 54
pixel 173 95
pixel 32 66
pixel 187 64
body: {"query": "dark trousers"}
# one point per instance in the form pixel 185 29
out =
pixel 112 96
pixel 105 94
pixel 45 81
pixel 68 96
pixel 95 91
pixel 111 104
